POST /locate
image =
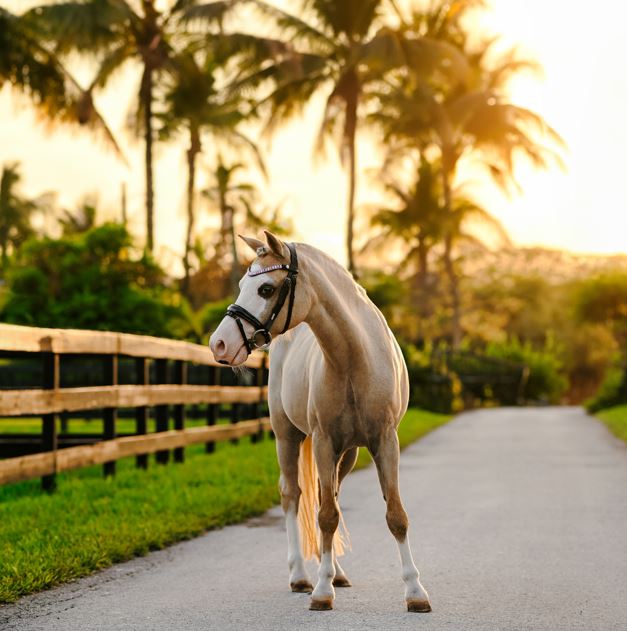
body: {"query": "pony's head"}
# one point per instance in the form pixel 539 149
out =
pixel 268 303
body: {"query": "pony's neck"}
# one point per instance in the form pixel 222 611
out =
pixel 342 317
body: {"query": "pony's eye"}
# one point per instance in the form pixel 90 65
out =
pixel 266 290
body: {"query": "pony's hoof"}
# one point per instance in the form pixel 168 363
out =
pixel 418 606
pixel 324 604
pixel 341 581
pixel 301 587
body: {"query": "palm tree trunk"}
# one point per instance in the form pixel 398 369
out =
pixel 146 97
pixel 448 262
pixel 422 275
pixel 192 154
pixel 235 266
pixel 350 131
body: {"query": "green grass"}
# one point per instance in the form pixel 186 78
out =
pixel 90 522
pixel 616 419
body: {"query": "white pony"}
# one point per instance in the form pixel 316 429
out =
pixel 338 381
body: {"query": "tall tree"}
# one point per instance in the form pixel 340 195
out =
pixel 238 204
pixel 115 32
pixel 35 70
pixel 341 49
pixel 196 104
pixel 471 118
pixel 16 213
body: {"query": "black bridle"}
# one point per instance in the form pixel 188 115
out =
pixel 262 337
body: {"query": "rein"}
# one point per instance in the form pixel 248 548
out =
pixel 262 337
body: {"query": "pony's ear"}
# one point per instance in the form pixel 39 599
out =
pixel 276 245
pixel 254 244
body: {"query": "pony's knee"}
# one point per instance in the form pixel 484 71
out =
pixel 328 517
pixel 397 520
pixel 290 496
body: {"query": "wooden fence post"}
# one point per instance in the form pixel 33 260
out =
pixel 110 415
pixel 161 411
pixel 142 378
pixel 49 438
pixel 213 409
pixel 180 377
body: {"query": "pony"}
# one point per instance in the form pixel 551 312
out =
pixel 337 382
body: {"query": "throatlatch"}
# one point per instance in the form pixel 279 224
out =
pixel 262 337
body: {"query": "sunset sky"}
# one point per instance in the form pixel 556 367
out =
pixel 583 94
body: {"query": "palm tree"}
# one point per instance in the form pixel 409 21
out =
pixel 474 118
pixel 343 48
pixel 236 198
pixel 195 103
pixel 420 223
pixel 117 31
pixel 415 222
pixel 32 68
pixel 16 213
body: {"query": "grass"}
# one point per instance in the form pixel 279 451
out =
pixel 91 522
pixel 616 420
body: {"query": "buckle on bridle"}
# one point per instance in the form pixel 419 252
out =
pixel 264 342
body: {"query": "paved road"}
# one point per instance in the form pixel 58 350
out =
pixel 519 521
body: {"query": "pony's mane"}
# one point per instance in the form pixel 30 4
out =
pixel 342 272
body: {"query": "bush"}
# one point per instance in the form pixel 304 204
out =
pixel 546 381
pixel 612 392
pixel 431 386
pixel 93 280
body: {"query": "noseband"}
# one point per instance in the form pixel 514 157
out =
pixel 262 337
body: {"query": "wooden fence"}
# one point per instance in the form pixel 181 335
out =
pixel 160 388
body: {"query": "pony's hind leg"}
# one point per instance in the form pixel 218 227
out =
pixel 386 459
pixel 345 467
pixel 328 520
pixel 287 452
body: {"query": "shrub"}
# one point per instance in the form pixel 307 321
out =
pixel 546 381
pixel 612 391
pixel 93 280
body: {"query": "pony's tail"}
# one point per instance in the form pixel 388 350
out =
pixel 308 507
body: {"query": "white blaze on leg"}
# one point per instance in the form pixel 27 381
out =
pixel 411 577
pixel 294 553
pixel 326 573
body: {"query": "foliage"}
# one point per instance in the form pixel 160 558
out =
pixel 431 385
pixel 90 522
pixel 616 420
pixel 612 391
pixel 545 382
pixel 92 281
pixel 16 213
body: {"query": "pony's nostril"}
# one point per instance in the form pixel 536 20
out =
pixel 219 347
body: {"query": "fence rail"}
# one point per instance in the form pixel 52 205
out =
pixel 164 389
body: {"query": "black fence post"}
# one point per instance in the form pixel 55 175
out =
pixel 110 415
pixel 161 411
pixel 213 409
pixel 235 414
pixel 49 437
pixel 142 378
pixel 257 407
pixel 180 377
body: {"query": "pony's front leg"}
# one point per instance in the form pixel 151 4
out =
pixel 288 452
pixel 386 459
pixel 328 520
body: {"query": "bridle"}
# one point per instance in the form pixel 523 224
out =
pixel 262 337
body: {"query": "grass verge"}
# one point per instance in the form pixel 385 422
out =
pixel 91 522
pixel 616 420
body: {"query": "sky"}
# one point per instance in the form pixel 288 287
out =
pixel 582 94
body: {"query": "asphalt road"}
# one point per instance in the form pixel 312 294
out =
pixel 518 521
